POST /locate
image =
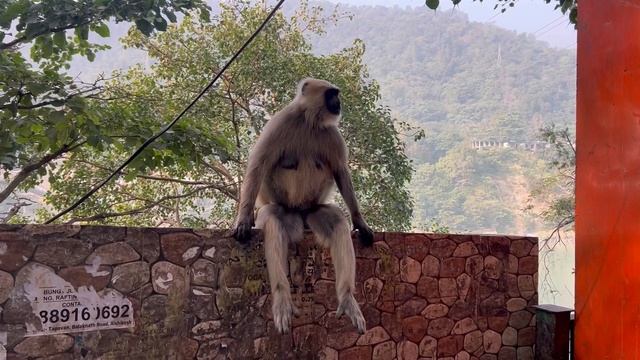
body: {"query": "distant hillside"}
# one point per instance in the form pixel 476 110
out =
pixel 462 82
pixel 457 78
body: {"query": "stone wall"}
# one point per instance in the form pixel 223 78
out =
pixel 198 294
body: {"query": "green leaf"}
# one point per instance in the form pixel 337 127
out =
pixel 1 35
pixel 47 46
pixel 456 2
pixel 60 39
pixel 204 15
pixel 82 32
pixel 62 131
pixel 102 29
pixel 432 4
pixel 36 128
pixel 77 104
pixel 144 26
pixel 93 140
pixel 573 15
pixel 51 134
pixel 91 55
pixel 13 11
pixel 56 116
pixel 37 88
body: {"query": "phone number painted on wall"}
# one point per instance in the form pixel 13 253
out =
pixel 60 308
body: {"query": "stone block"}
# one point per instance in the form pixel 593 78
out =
pixel 443 248
pixel 181 248
pixel 113 254
pixel 14 251
pixel 65 252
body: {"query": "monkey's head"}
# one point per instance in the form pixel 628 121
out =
pixel 320 100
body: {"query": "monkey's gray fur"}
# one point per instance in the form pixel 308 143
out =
pixel 292 169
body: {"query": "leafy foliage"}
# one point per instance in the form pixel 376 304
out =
pixel 47 21
pixel 45 113
pixel 191 177
pixel 433 226
pixel 463 192
pixel 554 193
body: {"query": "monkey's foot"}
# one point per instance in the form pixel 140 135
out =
pixel 349 306
pixel 283 311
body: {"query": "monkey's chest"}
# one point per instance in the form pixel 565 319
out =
pixel 300 181
pixel 294 163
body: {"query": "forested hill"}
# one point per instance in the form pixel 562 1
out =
pixel 463 81
pixel 442 71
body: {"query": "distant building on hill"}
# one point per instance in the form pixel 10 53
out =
pixel 491 144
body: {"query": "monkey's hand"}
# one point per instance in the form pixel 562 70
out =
pixel 242 232
pixel 365 234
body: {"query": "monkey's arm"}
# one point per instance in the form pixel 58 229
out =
pixel 345 185
pixel 250 188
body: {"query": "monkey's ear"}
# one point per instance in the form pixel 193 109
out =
pixel 302 85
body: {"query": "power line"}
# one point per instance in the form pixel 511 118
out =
pixel 494 16
pixel 169 125
pixel 549 29
pixel 549 23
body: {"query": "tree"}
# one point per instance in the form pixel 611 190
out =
pixel 44 113
pixel 570 6
pixel 191 176
pixel 554 194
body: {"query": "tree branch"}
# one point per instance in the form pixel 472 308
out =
pixel 16 105
pixel 138 210
pixel 25 38
pixel 233 117
pixel 570 142
pixel 561 224
pixel 175 180
pixel 219 169
pixel 223 188
pixel 24 173
pixel 15 208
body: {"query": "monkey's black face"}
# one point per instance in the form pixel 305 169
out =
pixel 332 101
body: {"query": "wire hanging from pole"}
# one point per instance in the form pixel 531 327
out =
pixel 173 122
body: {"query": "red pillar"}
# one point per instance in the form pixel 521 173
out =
pixel 608 181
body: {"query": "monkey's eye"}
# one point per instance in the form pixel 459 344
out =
pixel 332 92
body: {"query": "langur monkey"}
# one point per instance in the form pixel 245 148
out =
pixel 291 172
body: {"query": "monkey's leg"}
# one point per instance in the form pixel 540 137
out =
pixel 332 230
pixel 279 229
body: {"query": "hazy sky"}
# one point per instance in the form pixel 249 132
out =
pixel 531 16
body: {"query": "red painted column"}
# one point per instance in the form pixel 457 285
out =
pixel 608 181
